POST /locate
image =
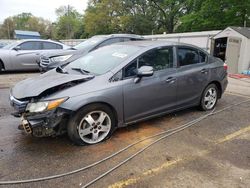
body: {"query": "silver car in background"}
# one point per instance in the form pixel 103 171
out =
pixel 24 54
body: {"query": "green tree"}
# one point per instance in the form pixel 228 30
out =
pixel 70 23
pixel 116 16
pixel 169 12
pixel 216 14
pixel 25 21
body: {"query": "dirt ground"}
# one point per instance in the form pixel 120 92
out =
pixel 213 153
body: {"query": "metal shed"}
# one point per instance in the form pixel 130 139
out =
pixel 233 45
pixel 19 34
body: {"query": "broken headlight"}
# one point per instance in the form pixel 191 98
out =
pixel 60 58
pixel 45 105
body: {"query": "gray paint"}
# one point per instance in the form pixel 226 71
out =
pixel 167 90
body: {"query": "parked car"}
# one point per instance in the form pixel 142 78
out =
pixel 24 54
pixel 52 60
pixel 118 85
pixel 3 43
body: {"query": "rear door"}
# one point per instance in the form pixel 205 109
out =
pixel 193 75
pixel 25 58
pixel 153 94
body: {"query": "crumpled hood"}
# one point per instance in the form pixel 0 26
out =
pixel 33 87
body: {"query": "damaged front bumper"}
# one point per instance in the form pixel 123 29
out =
pixel 43 124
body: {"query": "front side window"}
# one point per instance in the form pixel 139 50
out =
pixel 159 59
pixel 32 45
pixel 187 56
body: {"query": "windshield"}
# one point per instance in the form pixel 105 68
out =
pixel 104 59
pixel 11 45
pixel 87 44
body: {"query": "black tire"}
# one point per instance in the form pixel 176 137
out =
pixel 75 121
pixel 203 103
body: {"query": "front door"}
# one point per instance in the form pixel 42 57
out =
pixel 233 54
pixel 151 95
pixel 25 58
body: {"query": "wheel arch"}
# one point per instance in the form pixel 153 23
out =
pixel 1 63
pixel 218 85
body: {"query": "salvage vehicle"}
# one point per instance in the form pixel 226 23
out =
pixel 118 85
pixel 51 60
pixel 24 54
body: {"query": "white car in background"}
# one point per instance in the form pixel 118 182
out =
pixel 24 54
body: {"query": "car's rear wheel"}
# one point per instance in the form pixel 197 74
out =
pixel 209 97
pixel 91 125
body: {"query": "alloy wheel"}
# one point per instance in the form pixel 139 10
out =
pixel 94 127
pixel 210 98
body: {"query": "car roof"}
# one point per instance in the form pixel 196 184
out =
pixel 155 43
pixel 40 40
pixel 120 35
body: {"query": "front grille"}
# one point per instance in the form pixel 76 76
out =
pixel 19 106
pixel 44 61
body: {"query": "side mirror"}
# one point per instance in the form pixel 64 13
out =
pixel 144 71
pixel 17 48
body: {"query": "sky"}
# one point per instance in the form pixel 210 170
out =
pixel 39 8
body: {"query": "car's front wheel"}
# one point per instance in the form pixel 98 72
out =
pixel 91 125
pixel 209 97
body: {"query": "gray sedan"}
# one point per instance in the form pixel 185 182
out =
pixel 24 54
pixel 118 85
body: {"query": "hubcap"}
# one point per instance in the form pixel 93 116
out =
pixel 210 98
pixel 94 127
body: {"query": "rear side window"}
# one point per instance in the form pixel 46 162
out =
pixel 32 45
pixel 50 45
pixel 187 56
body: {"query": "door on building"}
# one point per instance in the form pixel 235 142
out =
pixel 233 54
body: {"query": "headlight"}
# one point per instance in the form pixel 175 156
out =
pixel 61 58
pixel 45 105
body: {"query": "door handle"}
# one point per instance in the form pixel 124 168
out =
pixel 170 80
pixel 204 71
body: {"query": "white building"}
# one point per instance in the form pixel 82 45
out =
pixel 202 39
pixel 233 46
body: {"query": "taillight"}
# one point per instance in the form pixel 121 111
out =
pixel 225 66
